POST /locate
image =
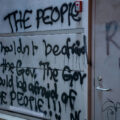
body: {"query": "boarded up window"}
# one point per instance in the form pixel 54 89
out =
pixel 43 63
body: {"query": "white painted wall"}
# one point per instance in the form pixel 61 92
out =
pixel 60 36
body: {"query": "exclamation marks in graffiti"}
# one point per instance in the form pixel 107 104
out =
pixel 54 103
pixel 50 113
pixel 59 107
pixel 56 106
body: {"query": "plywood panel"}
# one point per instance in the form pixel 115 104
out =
pixel 44 74
pixel 26 15
pixel 43 58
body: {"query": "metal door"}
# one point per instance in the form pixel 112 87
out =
pixel 106 42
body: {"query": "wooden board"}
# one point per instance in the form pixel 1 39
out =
pixel 39 79
pixel 26 15
pixel 43 66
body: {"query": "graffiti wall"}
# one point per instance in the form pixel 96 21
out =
pixel 23 16
pixel 43 74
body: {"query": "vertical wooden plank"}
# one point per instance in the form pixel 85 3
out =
pixel 90 60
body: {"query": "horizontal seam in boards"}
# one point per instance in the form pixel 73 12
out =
pixel 46 32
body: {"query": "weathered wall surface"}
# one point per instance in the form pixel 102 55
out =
pixel 43 63
pixel 107 59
